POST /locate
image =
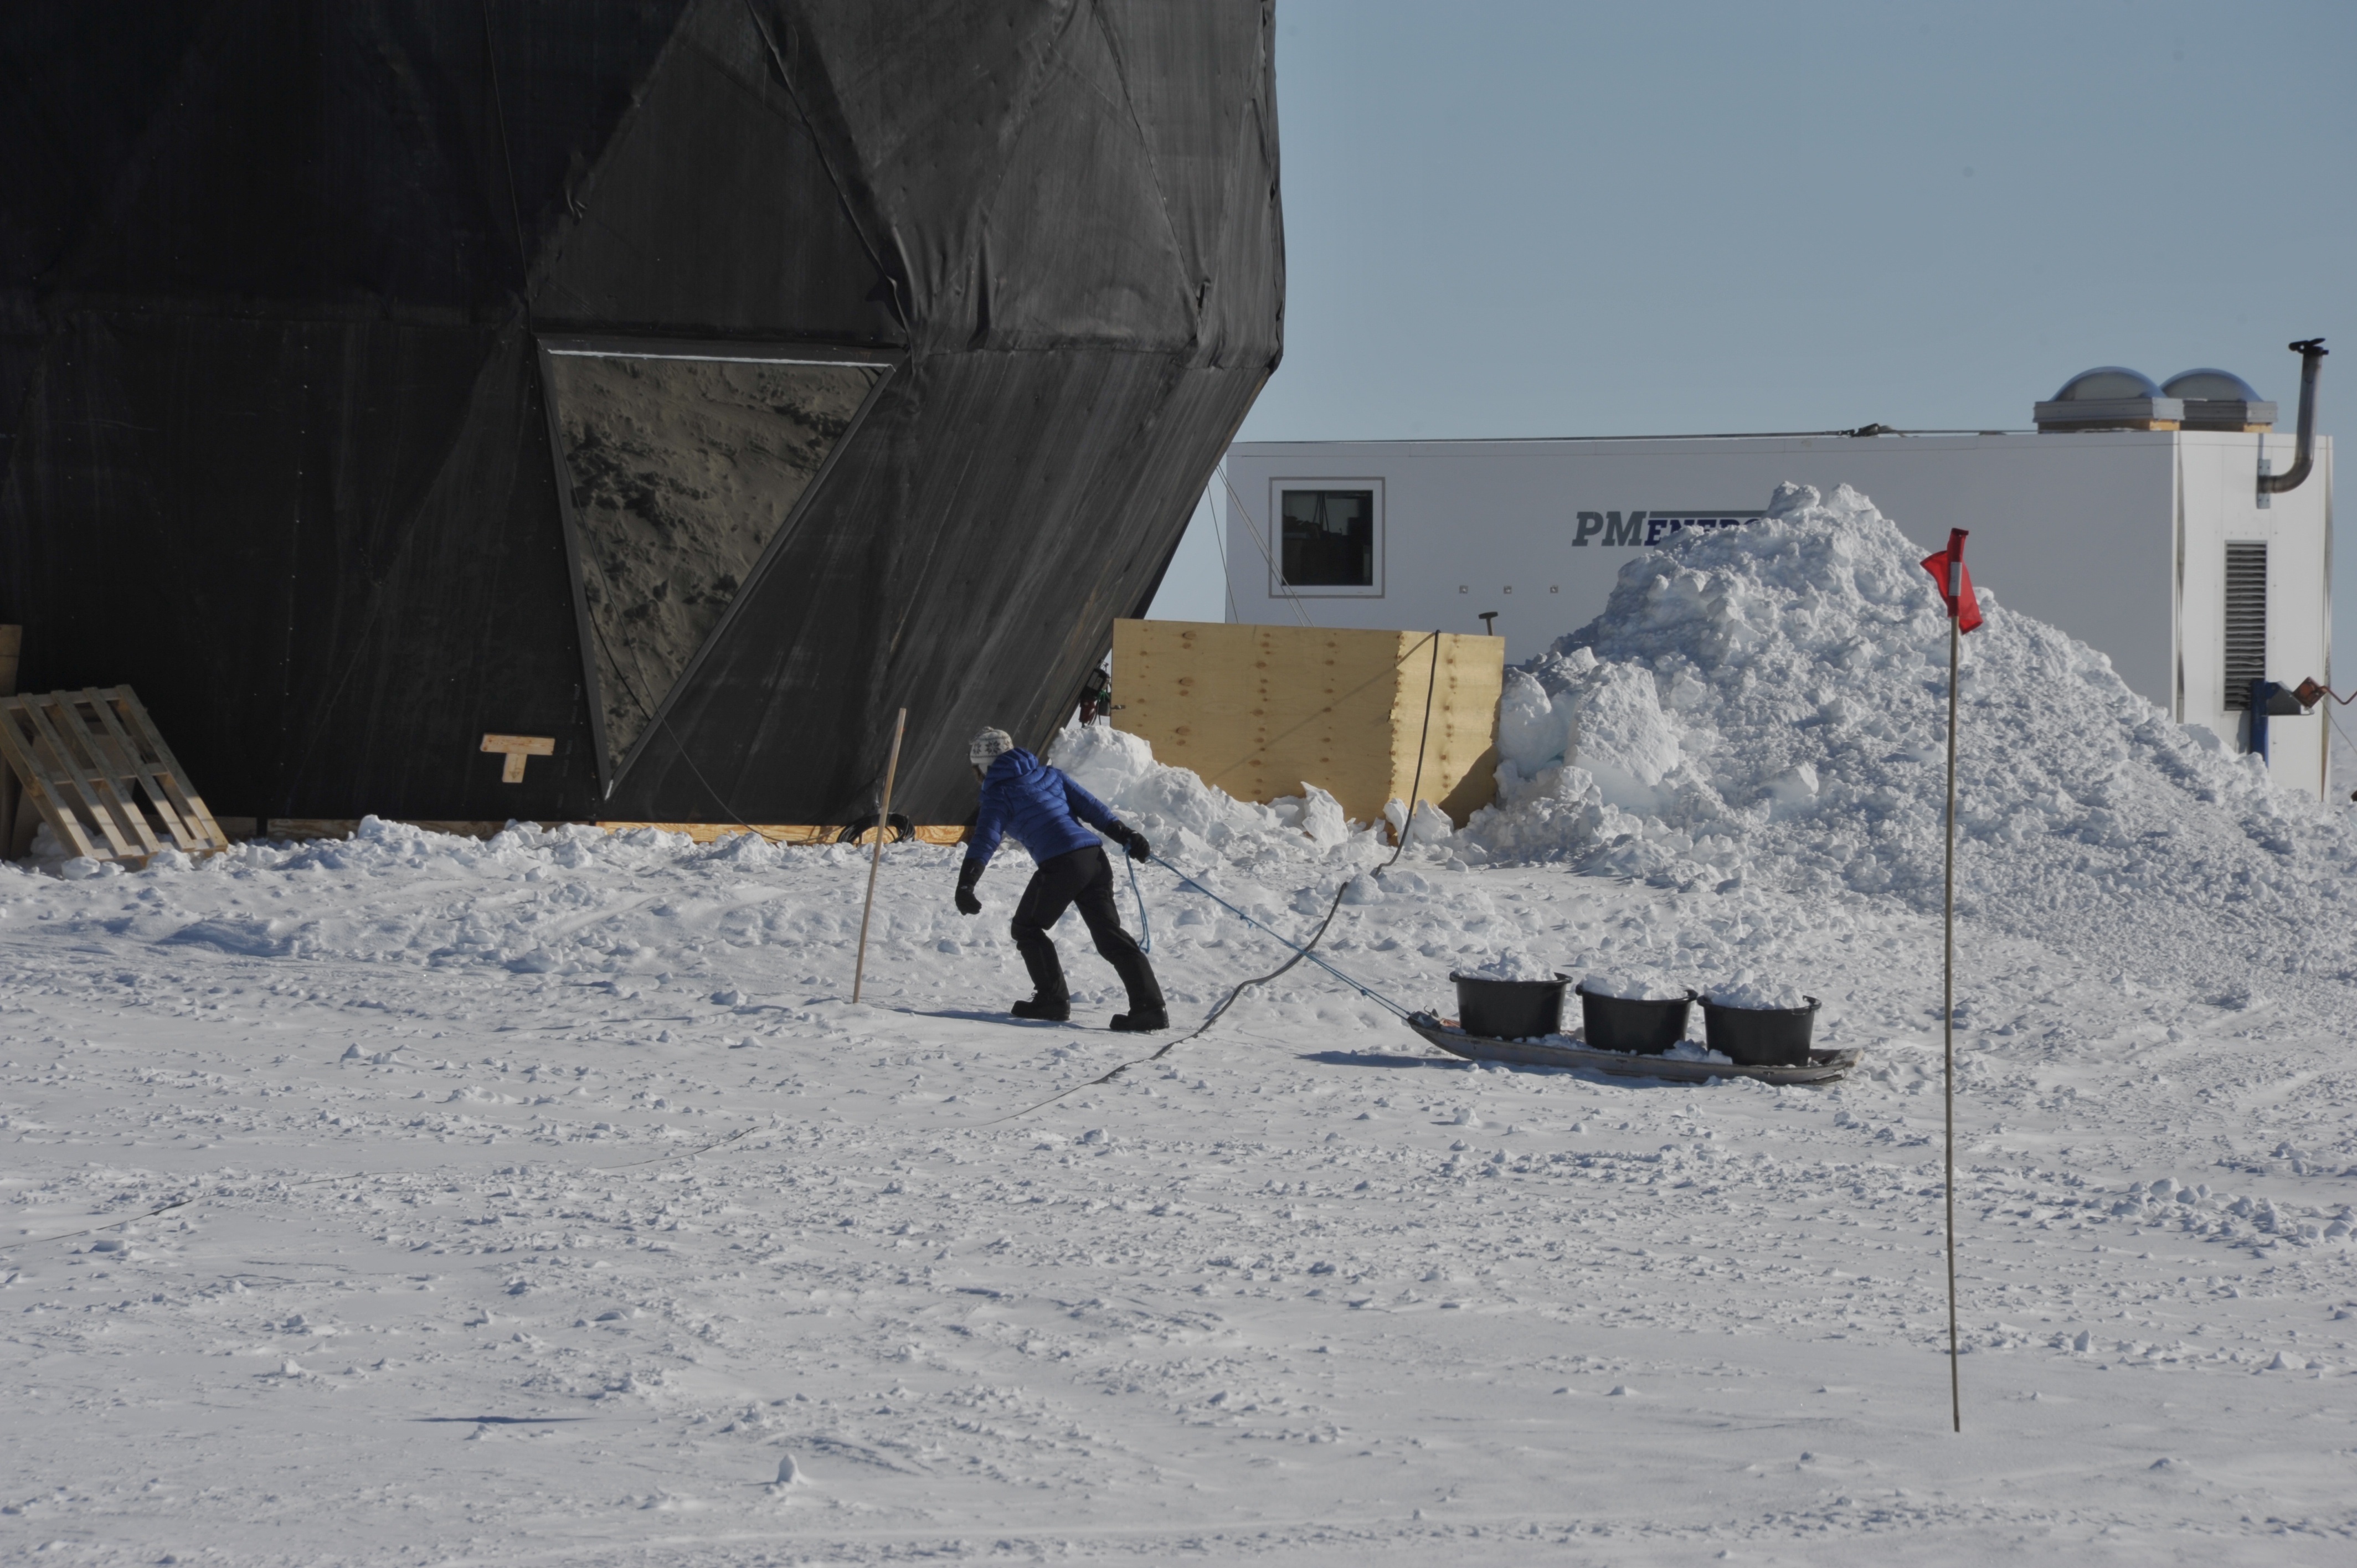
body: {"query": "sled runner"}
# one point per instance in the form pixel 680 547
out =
pixel 1823 1067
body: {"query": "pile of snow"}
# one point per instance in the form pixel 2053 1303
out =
pixel 1511 964
pixel 1751 989
pixel 1175 804
pixel 1431 826
pixel 1608 717
pixel 1769 703
pixel 1634 985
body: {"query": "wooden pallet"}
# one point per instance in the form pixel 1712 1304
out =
pixel 87 759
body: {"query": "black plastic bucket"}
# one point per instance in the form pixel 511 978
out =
pixel 1510 1009
pixel 1761 1037
pixel 1644 1028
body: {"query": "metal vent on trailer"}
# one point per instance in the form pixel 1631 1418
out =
pixel 2246 620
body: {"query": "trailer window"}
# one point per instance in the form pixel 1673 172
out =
pixel 1330 538
pixel 2246 620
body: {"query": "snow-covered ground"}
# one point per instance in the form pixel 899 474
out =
pixel 547 1199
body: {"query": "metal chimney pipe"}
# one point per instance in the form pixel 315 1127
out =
pixel 2312 359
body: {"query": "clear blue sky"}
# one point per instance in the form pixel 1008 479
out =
pixel 1508 219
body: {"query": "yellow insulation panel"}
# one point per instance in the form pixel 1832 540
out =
pixel 1262 710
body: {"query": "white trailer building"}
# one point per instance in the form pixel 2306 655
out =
pixel 2155 545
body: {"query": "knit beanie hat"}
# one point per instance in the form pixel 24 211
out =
pixel 984 749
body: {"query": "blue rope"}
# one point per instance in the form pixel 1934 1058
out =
pixel 1370 995
pixel 1145 932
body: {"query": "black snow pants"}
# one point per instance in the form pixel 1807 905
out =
pixel 1084 877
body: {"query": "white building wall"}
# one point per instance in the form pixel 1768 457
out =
pixel 2115 536
pixel 2220 504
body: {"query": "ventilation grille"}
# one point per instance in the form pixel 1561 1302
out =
pixel 2247 621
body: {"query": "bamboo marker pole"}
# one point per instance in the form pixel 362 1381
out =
pixel 875 861
pixel 1948 1022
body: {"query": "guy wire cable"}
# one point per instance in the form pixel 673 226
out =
pixel 1220 539
pixel 2333 719
pixel 663 723
pixel 1407 826
pixel 1258 543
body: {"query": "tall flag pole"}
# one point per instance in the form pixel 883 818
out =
pixel 1947 569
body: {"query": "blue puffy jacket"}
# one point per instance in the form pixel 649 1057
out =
pixel 1023 796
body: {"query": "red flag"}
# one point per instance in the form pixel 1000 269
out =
pixel 1955 579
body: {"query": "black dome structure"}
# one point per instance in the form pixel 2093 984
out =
pixel 692 381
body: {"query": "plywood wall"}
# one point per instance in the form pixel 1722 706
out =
pixel 1462 739
pixel 1262 710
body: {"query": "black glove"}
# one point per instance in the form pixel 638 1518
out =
pixel 1129 838
pixel 968 874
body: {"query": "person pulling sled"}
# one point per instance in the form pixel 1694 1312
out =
pixel 1038 804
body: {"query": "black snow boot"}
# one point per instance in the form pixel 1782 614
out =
pixel 1041 1008
pixel 1141 1021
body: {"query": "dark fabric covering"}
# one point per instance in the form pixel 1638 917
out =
pixel 394 585
pixel 271 276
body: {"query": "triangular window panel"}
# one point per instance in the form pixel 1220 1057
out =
pixel 682 468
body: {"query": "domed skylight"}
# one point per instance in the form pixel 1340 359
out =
pixel 2105 382
pixel 2211 385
